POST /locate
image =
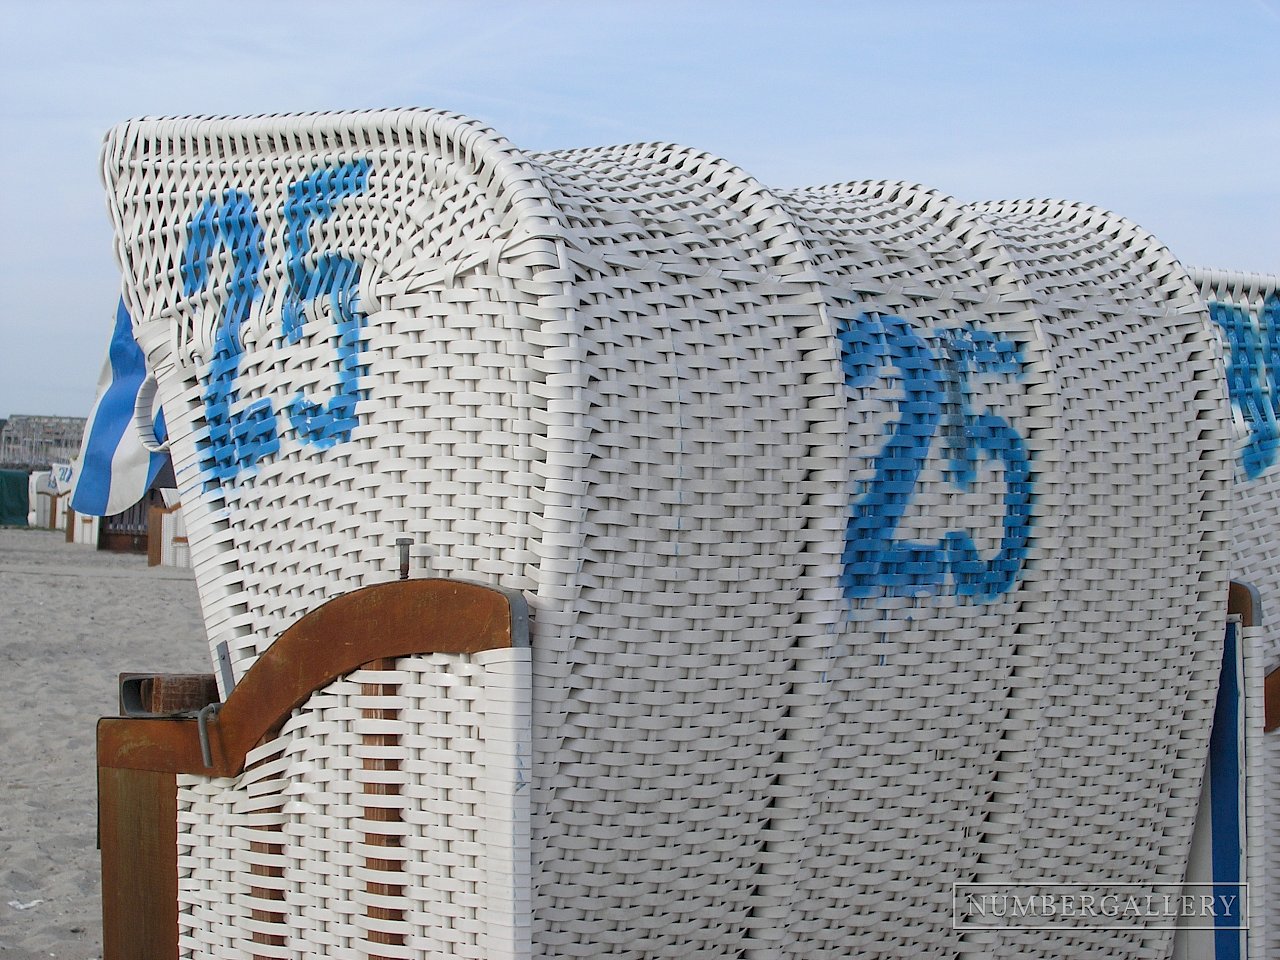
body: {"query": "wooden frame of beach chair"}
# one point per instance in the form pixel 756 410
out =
pixel 140 760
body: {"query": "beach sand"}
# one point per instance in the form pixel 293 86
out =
pixel 71 619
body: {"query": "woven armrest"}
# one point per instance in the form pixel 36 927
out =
pixel 139 758
pixel 387 620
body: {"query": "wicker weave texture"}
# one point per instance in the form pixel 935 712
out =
pixel 1245 311
pixel 874 542
pixel 1124 332
pixel 1262 794
pixel 407 776
pixel 174 551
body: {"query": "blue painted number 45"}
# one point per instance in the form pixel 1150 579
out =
pixel 242 436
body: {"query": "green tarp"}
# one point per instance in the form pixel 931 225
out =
pixel 14 498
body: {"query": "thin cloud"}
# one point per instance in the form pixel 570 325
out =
pixel 1113 104
pixel 1269 8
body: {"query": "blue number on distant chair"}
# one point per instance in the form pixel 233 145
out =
pixel 1253 369
pixel 239 438
pixel 937 395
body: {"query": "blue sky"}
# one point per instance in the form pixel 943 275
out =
pixel 1167 112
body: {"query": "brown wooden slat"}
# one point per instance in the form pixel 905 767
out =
pixel 163 745
pixel 167 693
pixel 138 833
pixel 381 814
pixel 1272 697
pixel 155 532
pixel 1242 602
pixel 154 527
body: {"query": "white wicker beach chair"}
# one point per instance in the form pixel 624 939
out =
pixel 1245 312
pixel 873 543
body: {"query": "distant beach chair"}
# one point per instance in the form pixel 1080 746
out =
pixel 875 546
pixel 38 487
pixel 167 543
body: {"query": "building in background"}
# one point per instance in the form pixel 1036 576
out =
pixel 31 447
pixel 34 443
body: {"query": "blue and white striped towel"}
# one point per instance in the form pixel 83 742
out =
pixel 115 468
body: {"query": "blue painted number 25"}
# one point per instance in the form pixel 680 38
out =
pixel 241 436
pixel 937 399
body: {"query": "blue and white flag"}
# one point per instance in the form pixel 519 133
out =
pixel 116 469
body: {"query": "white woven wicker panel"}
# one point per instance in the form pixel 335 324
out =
pixel 662 700
pixel 174 551
pixel 1262 754
pixel 396 239
pixel 1245 310
pixel 1128 679
pixel 283 860
pixel 904 705
pixel 848 573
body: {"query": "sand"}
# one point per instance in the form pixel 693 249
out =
pixel 71 619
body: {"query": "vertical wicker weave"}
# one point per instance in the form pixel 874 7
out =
pixel 1245 311
pixel 293 859
pixel 874 542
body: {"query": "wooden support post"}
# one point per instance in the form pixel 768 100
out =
pixel 138 834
